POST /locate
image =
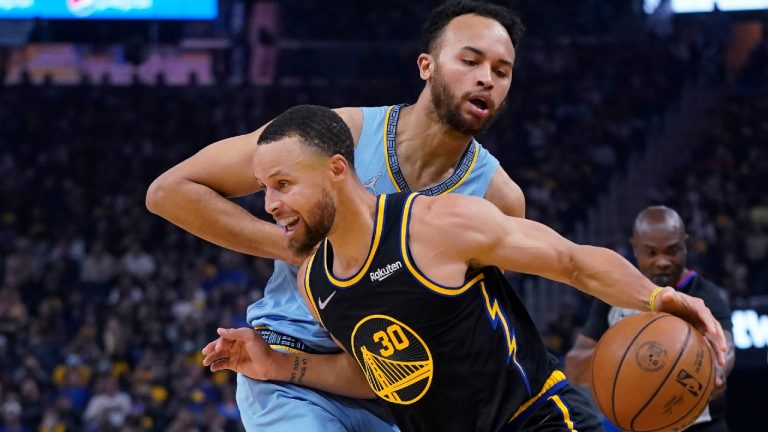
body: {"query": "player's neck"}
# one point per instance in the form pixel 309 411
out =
pixel 350 234
pixel 428 150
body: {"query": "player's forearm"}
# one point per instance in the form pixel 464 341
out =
pixel 606 275
pixel 577 368
pixel 203 212
pixel 333 373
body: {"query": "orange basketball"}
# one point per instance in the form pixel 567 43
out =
pixel 652 372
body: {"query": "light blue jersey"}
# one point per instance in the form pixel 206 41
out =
pixel 282 310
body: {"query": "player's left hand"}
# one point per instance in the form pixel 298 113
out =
pixel 693 310
pixel 240 350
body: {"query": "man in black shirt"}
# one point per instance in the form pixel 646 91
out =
pixel 658 242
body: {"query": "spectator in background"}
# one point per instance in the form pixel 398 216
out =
pixel 108 408
pixel 659 244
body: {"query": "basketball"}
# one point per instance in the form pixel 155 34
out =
pixel 652 372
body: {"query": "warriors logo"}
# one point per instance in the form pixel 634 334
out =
pixel 396 361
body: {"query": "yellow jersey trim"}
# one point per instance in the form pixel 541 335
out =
pixel 308 290
pixel 287 349
pixel 564 409
pixel 553 379
pixel 448 291
pixel 469 170
pixel 386 153
pixel 377 229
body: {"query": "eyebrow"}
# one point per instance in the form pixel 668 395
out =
pixel 276 173
pixel 676 243
pixel 481 53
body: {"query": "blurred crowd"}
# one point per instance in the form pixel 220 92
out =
pixel 722 194
pixel 104 308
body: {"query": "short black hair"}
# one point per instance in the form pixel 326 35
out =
pixel 318 127
pixel 442 15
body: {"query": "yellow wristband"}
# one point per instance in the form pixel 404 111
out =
pixel 652 302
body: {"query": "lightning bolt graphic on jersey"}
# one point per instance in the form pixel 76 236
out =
pixel 496 316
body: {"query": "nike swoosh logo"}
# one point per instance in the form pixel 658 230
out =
pixel 322 303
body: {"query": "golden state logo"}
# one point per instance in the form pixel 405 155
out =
pixel 396 361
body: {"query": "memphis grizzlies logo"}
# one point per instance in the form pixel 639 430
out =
pixel 370 184
pixel 396 361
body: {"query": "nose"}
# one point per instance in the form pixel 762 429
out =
pixel 271 201
pixel 662 262
pixel 485 77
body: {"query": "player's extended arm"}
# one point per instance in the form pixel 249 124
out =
pixel 193 195
pixel 243 350
pixel 490 238
pixel 578 360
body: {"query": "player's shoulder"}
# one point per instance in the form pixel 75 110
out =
pixel 353 117
pixel 505 194
pixel 449 209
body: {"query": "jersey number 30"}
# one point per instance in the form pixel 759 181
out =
pixel 394 338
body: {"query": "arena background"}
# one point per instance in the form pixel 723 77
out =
pixel 614 105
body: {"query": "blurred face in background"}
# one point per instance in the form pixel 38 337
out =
pixel 469 72
pixel 661 252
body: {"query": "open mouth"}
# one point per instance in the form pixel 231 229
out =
pixel 288 224
pixel 479 103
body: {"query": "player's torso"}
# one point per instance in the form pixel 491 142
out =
pixel 431 351
pixel 281 309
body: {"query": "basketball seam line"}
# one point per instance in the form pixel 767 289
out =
pixel 664 381
pixel 621 363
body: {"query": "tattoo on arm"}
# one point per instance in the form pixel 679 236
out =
pixel 297 376
pixel 303 370
pixel 295 370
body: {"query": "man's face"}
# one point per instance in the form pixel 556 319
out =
pixel 660 251
pixel 472 73
pixel 297 195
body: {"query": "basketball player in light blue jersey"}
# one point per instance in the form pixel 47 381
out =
pixel 469 52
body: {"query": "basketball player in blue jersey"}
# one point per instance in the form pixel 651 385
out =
pixel 409 287
pixel 469 51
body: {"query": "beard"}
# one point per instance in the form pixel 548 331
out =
pixel 447 107
pixel 316 226
pixel 662 280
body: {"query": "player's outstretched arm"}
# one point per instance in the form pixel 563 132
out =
pixel 490 238
pixel 193 195
pixel 244 351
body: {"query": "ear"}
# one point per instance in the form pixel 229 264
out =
pixel 339 167
pixel 426 65
pixel 634 245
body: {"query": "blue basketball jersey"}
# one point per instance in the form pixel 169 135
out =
pixel 282 309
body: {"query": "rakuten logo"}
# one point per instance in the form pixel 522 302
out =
pixel 750 330
pixel 385 272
